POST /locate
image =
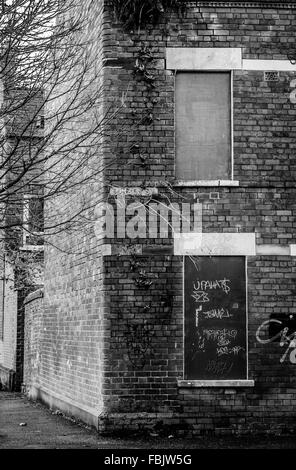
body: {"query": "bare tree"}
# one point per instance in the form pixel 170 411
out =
pixel 52 122
pixel 52 117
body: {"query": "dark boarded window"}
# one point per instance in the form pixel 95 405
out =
pixel 215 318
pixel 203 126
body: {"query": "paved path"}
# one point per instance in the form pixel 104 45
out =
pixel 46 430
pixel 42 430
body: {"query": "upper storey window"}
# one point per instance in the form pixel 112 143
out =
pixel 203 126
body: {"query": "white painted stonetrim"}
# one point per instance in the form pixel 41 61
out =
pixel 215 383
pixel 185 239
pixel 205 58
pixel 220 59
pixel 215 244
pixel 213 183
pixel 272 250
pixel 268 65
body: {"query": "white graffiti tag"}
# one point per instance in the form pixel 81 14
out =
pixel 285 340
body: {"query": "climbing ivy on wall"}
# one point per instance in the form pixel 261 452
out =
pixel 137 13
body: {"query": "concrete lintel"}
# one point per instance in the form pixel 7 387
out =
pixel 215 244
pixel 292 250
pixel 215 383
pixel 269 65
pixel 204 58
pixel 272 250
pixel 220 58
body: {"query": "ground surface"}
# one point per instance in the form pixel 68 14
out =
pixel 27 425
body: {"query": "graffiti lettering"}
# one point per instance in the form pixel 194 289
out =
pixel 217 313
pixel 196 315
pixel 200 296
pixel 216 335
pixel 285 340
pixel 225 350
pixel 216 284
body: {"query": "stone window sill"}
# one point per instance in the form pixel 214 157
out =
pixel 215 383
pixel 211 183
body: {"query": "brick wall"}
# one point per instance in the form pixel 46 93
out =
pixel 20 106
pixel 146 354
pixel 264 135
pixel 72 327
pixel 111 343
pixel 8 342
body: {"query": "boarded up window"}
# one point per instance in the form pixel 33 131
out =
pixel 203 126
pixel 215 318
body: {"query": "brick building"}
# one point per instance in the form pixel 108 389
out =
pixel 21 250
pixel 147 327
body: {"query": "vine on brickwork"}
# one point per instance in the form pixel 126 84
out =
pixel 134 263
pixel 138 340
pixel 139 332
pixel 142 72
pixel 143 279
pixel 137 13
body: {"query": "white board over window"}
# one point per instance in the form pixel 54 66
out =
pixel 203 125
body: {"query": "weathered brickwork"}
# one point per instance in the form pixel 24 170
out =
pixel 9 339
pixel 264 147
pixel 146 346
pixel 19 108
pixel 71 360
pixel 112 331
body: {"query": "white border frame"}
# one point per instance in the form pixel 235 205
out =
pixel 231 181
pixel 231 127
pixel 217 383
pixel 25 226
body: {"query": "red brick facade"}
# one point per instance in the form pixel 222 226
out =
pixel 112 345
